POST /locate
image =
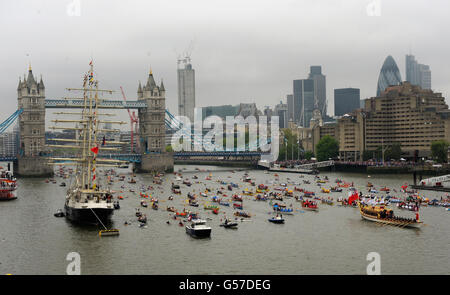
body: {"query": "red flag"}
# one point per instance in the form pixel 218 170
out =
pixel 90 63
pixel 94 150
pixel 353 197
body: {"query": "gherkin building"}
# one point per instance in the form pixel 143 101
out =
pixel 389 75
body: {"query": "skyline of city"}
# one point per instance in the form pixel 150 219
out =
pixel 326 101
pixel 234 58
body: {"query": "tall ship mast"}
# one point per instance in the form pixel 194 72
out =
pixel 88 201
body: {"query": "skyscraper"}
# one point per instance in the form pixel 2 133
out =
pixel 389 75
pixel 186 89
pixel 281 110
pixel 417 74
pixel 290 104
pixel 320 102
pixel 304 100
pixel 346 100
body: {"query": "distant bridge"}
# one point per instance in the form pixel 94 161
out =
pixel 103 104
pixel 136 158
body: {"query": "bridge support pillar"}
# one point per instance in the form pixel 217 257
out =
pixel 152 163
pixel 32 167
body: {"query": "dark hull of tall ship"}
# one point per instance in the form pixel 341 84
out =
pixel 85 215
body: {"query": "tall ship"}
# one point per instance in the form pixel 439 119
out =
pixel 8 186
pixel 87 200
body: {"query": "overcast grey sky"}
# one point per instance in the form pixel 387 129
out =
pixel 242 51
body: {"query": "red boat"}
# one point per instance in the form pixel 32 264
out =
pixel 8 185
pixel 310 205
pixel 237 198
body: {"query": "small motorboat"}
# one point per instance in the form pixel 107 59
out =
pixel 276 219
pixel 193 203
pixel 144 203
pixel 62 184
pixel 229 224
pixel 198 229
pixel 142 218
pixel 59 213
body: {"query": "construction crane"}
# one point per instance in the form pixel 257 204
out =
pixel 133 120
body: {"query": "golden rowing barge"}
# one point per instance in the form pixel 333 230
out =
pixel 386 216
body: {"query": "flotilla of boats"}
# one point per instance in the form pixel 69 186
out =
pixel 219 197
pixel 373 205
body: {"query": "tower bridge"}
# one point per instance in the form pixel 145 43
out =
pixel 154 118
pixel 32 104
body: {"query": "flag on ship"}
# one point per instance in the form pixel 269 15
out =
pixel 94 150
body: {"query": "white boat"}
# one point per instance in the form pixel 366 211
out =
pixel 198 229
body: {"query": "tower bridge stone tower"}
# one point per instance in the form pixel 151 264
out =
pixel 152 130
pixel 31 98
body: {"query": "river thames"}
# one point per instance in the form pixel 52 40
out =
pixel 334 240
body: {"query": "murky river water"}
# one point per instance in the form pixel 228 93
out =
pixel 334 240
